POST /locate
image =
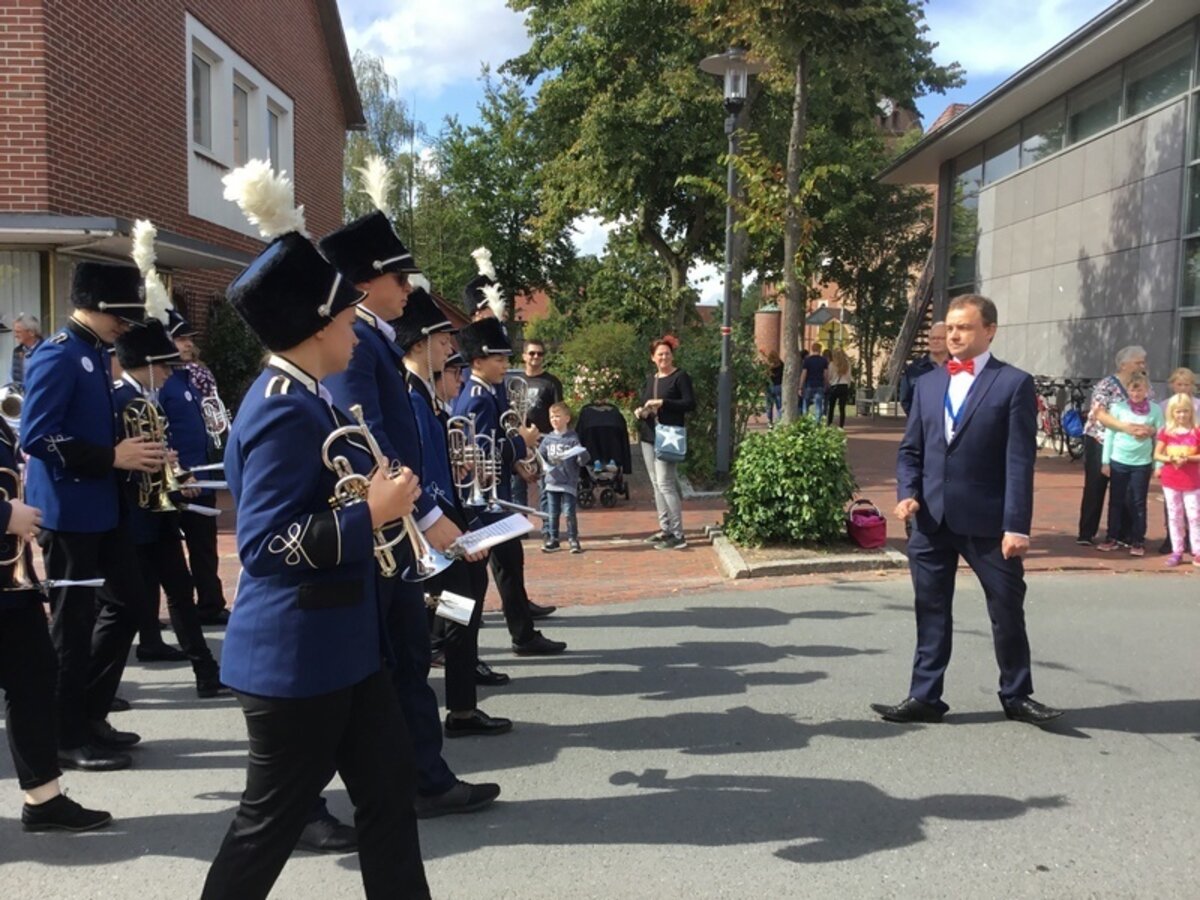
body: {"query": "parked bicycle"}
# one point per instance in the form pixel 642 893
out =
pixel 1058 428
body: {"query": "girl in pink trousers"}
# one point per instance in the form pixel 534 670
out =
pixel 1178 451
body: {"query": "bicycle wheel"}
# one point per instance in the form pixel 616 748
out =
pixel 1075 447
pixel 1058 437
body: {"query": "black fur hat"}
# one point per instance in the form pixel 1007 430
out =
pixel 483 338
pixel 178 326
pixel 113 289
pixel 146 344
pixel 421 318
pixel 367 248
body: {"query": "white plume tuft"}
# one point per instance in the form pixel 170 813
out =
pixel 417 280
pixel 483 260
pixel 267 199
pixel 377 183
pixel 142 251
pixel 495 302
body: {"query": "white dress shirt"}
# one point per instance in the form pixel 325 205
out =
pixel 960 386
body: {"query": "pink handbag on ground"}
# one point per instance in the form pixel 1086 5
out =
pixel 866 525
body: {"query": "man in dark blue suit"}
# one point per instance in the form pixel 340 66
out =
pixel 965 471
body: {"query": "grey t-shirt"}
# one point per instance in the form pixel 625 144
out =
pixel 563 474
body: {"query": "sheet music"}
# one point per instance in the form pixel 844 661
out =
pixel 578 450
pixel 497 533
pixel 455 607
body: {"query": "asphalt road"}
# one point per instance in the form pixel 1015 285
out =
pixel 721 746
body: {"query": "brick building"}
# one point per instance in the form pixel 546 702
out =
pixel 109 113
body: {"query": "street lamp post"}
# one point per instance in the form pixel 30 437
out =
pixel 735 69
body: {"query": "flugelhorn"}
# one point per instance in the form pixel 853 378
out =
pixel 12 488
pixel 216 418
pixel 12 400
pixel 466 456
pixel 142 418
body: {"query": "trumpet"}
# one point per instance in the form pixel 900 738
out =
pixel 12 399
pixel 216 418
pixel 12 488
pixel 142 418
pixel 533 463
pixel 467 455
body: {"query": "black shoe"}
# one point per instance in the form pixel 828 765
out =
pixel 909 710
pixel 119 704
pixel 537 611
pixel 1083 542
pixel 1030 711
pixel 551 547
pixel 326 834
pixel 93 758
pixel 671 542
pixel 1165 546
pixel 207 688
pixel 62 814
pixel 486 675
pixel 462 798
pixel 478 722
pixel 107 736
pixel 538 645
pixel 575 547
pixel 657 538
pixel 160 653
pixel 437 659
pixel 219 617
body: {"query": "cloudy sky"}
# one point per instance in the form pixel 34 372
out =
pixel 436 49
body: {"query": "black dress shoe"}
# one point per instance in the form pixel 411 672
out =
pixel 538 645
pixel 909 710
pixel 206 688
pixel 160 653
pixel 93 758
pixel 119 704
pixel 219 617
pixel 107 736
pixel 1030 711
pixel 489 677
pixel 62 814
pixel 478 722
pixel 462 798
pixel 537 611
pixel 326 834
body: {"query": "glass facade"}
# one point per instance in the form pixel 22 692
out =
pixel 1094 107
pixel 964 222
pixel 1042 133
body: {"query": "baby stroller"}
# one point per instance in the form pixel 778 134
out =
pixel 601 429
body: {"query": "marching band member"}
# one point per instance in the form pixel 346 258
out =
pixel 424 334
pixel 69 430
pixel 485 346
pixel 28 664
pixel 304 650
pixel 370 256
pixel 182 398
pixel 145 354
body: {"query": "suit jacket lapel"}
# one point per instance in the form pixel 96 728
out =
pixel 983 383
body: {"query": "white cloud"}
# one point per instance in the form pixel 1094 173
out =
pixel 590 235
pixel 428 46
pixel 709 281
pixel 998 37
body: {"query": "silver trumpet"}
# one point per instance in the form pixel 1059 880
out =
pixel 467 458
pixel 12 399
pixel 216 418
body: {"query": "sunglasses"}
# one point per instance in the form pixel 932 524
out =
pixel 534 353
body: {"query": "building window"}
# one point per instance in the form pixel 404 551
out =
pixel 201 101
pixel 1159 73
pixel 1042 133
pixel 964 222
pixel 241 125
pixel 274 118
pixel 1094 107
pixel 1002 155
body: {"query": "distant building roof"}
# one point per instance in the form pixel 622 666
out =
pixel 343 68
pixel 531 307
pixel 950 112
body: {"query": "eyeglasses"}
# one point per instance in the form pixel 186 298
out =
pixel 535 353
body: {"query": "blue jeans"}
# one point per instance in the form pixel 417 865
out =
pixel 774 401
pixel 559 502
pixel 520 494
pixel 814 401
pixel 1134 482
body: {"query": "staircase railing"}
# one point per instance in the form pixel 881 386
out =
pixel 914 319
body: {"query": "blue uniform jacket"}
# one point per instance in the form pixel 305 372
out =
pixel 69 430
pixel 981 483
pixel 306 620
pixel 375 381
pixel 186 433
pixel 483 401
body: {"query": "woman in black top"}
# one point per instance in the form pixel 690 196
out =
pixel 666 398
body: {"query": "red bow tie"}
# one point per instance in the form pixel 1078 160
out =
pixel 954 366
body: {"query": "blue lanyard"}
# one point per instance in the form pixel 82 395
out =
pixel 954 414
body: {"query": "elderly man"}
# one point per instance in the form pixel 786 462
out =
pixel 27 335
pixel 935 358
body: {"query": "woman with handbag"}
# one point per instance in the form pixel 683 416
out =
pixel 665 400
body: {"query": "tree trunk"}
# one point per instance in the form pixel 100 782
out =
pixel 676 267
pixel 796 295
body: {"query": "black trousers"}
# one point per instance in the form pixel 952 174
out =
pixel 507 562
pixel 1095 486
pixel 296 745
pixel 200 533
pixel 839 394
pixel 460 643
pixel 163 568
pixel 92 631
pixel 28 669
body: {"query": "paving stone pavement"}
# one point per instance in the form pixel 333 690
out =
pixel 720 745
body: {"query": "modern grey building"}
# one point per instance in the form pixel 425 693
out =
pixel 1070 195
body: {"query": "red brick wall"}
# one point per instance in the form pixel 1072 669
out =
pixel 23 178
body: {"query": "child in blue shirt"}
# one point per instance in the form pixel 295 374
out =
pixel 562 477
pixel 1128 461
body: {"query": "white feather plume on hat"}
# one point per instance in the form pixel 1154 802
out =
pixel 494 300
pixel 483 261
pixel 267 199
pixel 417 280
pixel 377 183
pixel 142 251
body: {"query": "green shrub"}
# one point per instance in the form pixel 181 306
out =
pixel 232 351
pixel 604 361
pixel 790 485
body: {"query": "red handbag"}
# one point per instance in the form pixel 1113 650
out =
pixel 866 525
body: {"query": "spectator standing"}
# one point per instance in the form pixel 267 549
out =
pixel 543 391
pixel 1178 450
pixel 935 358
pixel 1182 381
pixel 1128 461
pixel 774 387
pixel 27 336
pixel 812 382
pixel 1130 361
pixel 839 387
pixel 666 399
pixel 562 478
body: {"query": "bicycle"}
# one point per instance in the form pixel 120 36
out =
pixel 1049 418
